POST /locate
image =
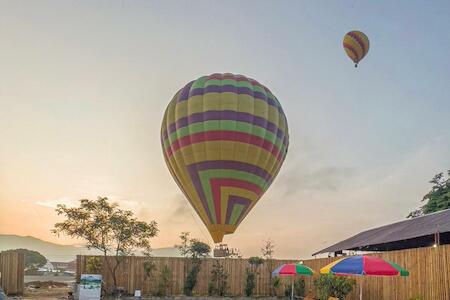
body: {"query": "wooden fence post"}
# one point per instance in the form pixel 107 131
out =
pixel 12 268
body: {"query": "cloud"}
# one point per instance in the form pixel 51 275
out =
pixel 181 209
pixel 71 202
pixel 303 178
pixel 124 204
pixel 54 202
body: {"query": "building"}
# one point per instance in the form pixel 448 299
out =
pixel 425 231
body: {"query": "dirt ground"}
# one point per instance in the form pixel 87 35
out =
pixel 52 290
pixel 49 290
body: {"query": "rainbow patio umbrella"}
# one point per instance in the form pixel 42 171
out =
pixel 363 265
pixel 293 270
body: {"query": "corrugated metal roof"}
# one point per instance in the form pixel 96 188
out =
pixel 403 230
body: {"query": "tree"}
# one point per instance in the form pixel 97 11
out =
pixel 149 267
pixel 165 281
pixel 251 274
pixel 219 276
pixel 194 250
pixel 107 228
pixel 267 251
pixel 437 199
pixel 235 253
pixel 33 259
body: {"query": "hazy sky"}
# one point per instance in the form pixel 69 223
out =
pixel 84 84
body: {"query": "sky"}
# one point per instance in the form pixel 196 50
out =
pixel 84 85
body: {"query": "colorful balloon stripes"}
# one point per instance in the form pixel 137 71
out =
pixel 356 45
pixel 224 139
pixel 365 266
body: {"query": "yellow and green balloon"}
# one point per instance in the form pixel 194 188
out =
pixel 356 45
pixel 224 139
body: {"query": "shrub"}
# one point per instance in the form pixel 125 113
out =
pixel 416 298
pixel 250 283
pixel 165 281
pixel 251 274
pixel 299 288
pixel 333 286
pixel 276 283
pixel 191 279
pixel 255 261
pixel 149 268
pixel 218 285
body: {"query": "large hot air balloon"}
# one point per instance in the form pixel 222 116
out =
pixel 356 45
pixel 224 139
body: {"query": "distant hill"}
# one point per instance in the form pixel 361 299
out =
pixel 166 252
pixel 63 253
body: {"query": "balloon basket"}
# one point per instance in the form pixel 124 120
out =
pixel 222 251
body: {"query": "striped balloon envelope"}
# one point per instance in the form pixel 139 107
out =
pixel 224 139
pixel 356 45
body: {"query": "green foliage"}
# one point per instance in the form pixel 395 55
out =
pixel 194 250
pixel 328 285
pixel 149 268
pixel 255 261
pixel 199 249
pixel 416 298
pixel 268 249
pixel 438 198
pixel 191 280
pixel 276 283
pixel 184 247
pixel 165 281
pixel 218 285
pixel 106 227
pixel 235 253
pixel 94 265
pixel 250 282
pixel 32 271
pixel 33 259
pixel 252 274
pixel 299 288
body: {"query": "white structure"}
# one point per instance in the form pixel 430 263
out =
pixel 48 267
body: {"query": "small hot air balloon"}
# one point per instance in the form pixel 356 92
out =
pixel 356 45
pixel 224 139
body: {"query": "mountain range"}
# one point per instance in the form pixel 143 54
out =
pixel 63 253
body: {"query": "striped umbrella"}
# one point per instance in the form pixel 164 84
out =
pixel 364 265
pixel 293 270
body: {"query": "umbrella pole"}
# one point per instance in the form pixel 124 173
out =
pixel 292 290
pixel 360 289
